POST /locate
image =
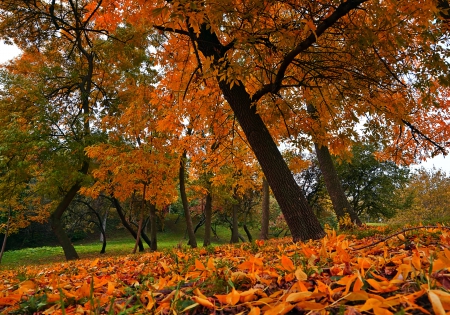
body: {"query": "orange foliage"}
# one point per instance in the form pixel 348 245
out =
pixel 381 279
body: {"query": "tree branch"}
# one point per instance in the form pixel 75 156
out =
pixel 341 11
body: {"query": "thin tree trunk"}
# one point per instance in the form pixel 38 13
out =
pixel 234 226
pixel 264 235
pixel 247 231
pixel 334 185
pixel 153 228
pixel 103 223
pixel 208 219
pixel 338 198
pixel 187 214
pixel 6 234
pixel 300 218
pixel 141 220
pixel 126 224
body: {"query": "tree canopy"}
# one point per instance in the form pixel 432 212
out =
pixel 210 79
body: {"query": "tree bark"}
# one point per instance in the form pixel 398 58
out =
pixel 153 228
pixel 234 226
pixel 55 220
pixel 6 234
pixel 264 235
pixel 338 198
pixel 126 224
pixel 187 214
pixel 334 185
pixel 141 221
pixel 208 219
pixel 247 231
pixel 300 218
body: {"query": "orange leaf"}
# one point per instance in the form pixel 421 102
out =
pixel 203 302
pixel 254 311
pixel 280 309
pixel 287 263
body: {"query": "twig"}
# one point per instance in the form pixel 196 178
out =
pixel 400 232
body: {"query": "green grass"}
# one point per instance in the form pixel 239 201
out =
pixel 119 243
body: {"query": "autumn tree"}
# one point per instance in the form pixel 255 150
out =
pixel 359 57
pixel 429 193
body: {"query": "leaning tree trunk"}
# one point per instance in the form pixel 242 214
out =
pixel 208 219
pixel 338 198
pixel 264 235
pixel 57 226
pixel 334 186
pixel 187 213
pixel 126 224
pixel 300 218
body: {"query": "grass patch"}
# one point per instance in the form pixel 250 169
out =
pixel 120 243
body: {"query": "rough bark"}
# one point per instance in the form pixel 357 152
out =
pixel 300 218
pixel 264 235
pixel 187 214
pixel 208 219
pixel 153 228
pixel 334 185
pixel 126 224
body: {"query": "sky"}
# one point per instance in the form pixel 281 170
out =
pixel 8 52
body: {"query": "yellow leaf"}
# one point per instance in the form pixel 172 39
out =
pixel 299 296
pixel 300 275
pixel 199 294
pixel 438 308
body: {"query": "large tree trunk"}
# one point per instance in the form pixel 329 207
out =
pixel 264 235
pixel 153 227
pixel 187 213
pixel 57 226
pixel 334 186
pixel 208 219
pixel 126 224
pixel 300 218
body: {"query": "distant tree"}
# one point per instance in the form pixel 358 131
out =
pixel 373 187
pixel 429 192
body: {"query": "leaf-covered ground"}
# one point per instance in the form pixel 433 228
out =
pixel 407 273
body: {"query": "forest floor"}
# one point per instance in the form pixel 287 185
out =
pixel 407 272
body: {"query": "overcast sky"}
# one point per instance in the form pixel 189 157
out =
pixel 7 52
